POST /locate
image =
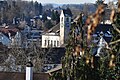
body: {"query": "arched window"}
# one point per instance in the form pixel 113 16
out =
pixel 57 43
pixel 54 43
pixel 62 22
pixel 45 42
pixel 51 43
pixel 62 19
pixel 48 43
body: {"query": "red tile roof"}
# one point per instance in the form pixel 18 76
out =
pixel 21 76
pixel 9 29
pixel 12 30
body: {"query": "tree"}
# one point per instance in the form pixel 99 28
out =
pixel 99 2
pixel 55 16
pixel 36 5
pixel 69 12
pixel 79 64
pixel 10 9
pixel 48 24
pixel 44 16
pixel 40 8
pixel 115 43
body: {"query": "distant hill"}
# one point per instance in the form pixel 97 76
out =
pixel 77 8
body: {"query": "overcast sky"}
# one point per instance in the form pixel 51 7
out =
pixel 67 1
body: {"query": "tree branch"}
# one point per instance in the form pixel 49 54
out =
pixel 114 42
pixel 116 28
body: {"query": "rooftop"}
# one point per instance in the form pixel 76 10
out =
pixel 21 76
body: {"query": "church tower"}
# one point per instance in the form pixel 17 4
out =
pixel 65 23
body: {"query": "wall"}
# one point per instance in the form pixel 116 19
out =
pixel 50 41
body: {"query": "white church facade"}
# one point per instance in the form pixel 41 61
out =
pixel 57 35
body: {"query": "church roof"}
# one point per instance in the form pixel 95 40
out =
pixel 103 27
pixel 11 30
pixel 55 29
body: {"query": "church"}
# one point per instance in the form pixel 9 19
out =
pixel 57 35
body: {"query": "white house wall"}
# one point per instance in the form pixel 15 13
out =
pixel 50 41
pixel 5 40
pixel 18 39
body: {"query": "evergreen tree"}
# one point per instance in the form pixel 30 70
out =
pixel 55 16
pixel 87 66
pixel 44 16
pixel 48 24
pixel 40 8
pixel 69 12
pixel 36 8
pixel 115 43
pixel 99 2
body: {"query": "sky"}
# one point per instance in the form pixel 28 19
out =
pixel 67 1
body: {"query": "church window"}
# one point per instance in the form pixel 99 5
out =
pixel 51 43
pixel 54 43
pixel 45 42
pixel 62 19
pixel 57 43
pixel 48 43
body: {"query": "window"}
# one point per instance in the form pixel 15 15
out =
pixel 62 22
pixel 57 43
pixel 62 19
pixel 45 42
pixel 54 43
pixel 48 43
pixel 51 43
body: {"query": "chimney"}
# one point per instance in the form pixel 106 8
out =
pixel 29 71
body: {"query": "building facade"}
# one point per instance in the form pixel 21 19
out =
pixel 57 37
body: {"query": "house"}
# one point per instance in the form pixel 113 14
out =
pixel 101 38
pixel 57 35
pixel 10 36
pixel 50 40
pixel 34 35
pixel 4 39
pixel 30 35
pixel 106 29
